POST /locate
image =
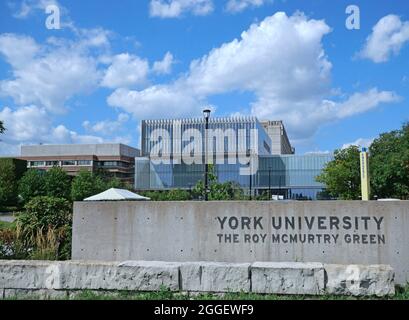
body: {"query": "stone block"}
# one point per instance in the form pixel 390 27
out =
pixel 287 278
pixel 27 274
pixel 360 280
pixel 40 294
pixel 215 277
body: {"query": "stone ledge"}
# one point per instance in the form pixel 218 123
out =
pixel 57 278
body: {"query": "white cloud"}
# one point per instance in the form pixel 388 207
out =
pixel 155 101
pixel 24 124
pixel 362 102
pixel 176 8
pixel 326 152
pixel 361 142
pixel 107 127
pixel 388 37
pixel 27 7
pixel 164 66
pixel 32 125
pixel 235 6
pixel 126 71
pixel 49 75
pixel 280 60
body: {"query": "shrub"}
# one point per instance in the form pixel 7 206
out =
pixel 57 183
pixel 85 185
pixel 11 170
pixel 31 185
pixel 45 227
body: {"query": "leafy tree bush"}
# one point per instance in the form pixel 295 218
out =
pixel 342 175
pixel 2 129
pixel 86 184
pixel 219 191
pixel 44 213
pixel 45 225
pixel 389 164
pixel 168 195
pixel 57 183
pixel 11 171
pixel 31 185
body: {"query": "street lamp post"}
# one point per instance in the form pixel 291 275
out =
pixel 251 178
pixel 269 183
pixel 206 114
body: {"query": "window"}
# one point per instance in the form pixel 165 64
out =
pixel 37 163
pixel 68 163
pixel 84 162
pixel 52 163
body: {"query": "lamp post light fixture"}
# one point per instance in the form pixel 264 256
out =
pixel 269 183
pixel 251 178
pixel 206 114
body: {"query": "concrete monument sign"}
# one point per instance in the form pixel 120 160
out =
pixel 333 232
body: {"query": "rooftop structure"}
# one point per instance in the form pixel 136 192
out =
pixel 114 159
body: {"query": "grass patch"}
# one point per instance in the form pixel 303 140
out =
pixel 5 225
pixel 10 209
pixel 401 294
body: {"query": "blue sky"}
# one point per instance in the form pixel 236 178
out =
pixel 114 63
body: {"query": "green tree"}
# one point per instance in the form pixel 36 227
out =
pixel 342 175
pixel 2 129
pixel 178 195
pixel 218 191
pixel 168 195
pixel 11 171
pixel 45 228
pixel 389 164
pixel 31 185
pixel 86 184
pixel 57 183
pixel 45 212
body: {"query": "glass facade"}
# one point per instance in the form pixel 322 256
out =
pixel 175 135
pixel 290 176
pixel 293 176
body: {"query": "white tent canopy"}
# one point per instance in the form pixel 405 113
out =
pixel 116 195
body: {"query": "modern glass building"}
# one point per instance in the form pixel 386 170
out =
pixel 234 133
pixel 291 176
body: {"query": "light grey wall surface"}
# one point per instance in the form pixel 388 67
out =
pixel 191 231
pixel 105 149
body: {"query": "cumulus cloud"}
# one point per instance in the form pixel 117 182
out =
pixel 388 37
pixel 164 66
pixel 25 8
pixel 235 6
pixel 107 127
pixel 362 102
pixel 361 142
pixel 176 8
pixel 280 60
pixel 49 75
pixel 156 101
pixel 126 71
pixel 33 125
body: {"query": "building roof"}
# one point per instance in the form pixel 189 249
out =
pixel 102 149
pixel 116 195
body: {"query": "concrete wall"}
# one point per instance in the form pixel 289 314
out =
pixel 61 279
pixel 105 149
pixel 347 232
